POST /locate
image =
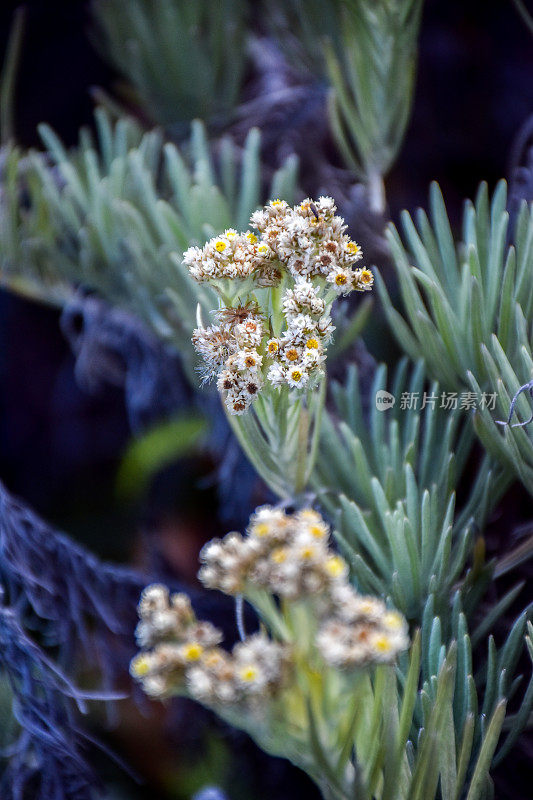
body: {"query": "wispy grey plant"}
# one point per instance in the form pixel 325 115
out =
pixel 67 595
pixel 113 347
pixel 47 759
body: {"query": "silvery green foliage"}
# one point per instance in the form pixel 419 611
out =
pixel 468 307
pixel 388 479
pixel 183 60
pixel 472 709
pixel 117 215
pixel 373 76
pixel 366 49
pixel 427 730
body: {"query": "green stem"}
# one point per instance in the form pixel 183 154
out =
pixel 257 453
pixel 300 479
pixel 280 438
pixel 376 192
pixel 317 424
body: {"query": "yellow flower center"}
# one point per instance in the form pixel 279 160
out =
pixel 296 375
pixel 307 553
pixel 250 361
pixel 341 279
pixel 220 246
pixel 193 651
pixel 262 249
pixel 230 234
pixel 366 276
pixel 312 344
pixel 367 607
pixel 275 202
pixel 261 529
pixel 353 248
pixel 251 237
pixel 382 644
pixel 292 354
pixel 393 620
pixel 279 555
pixel 140 666
pixel 273 347
pixel 249 673
pixel 318 531
pixel 335 566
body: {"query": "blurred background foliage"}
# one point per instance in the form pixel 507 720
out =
pixel 203 111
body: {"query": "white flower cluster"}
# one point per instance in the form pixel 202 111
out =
pixel 180 655
pixel 289 557
pixel 305 251
pixel 232 255
pixel 360 631
pixel 310 241
pixel 230 352
pixel 283 558
pixel 286 554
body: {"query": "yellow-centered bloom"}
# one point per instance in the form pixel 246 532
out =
pixel 140 666
pixel 335 566
pixel 193 651
pixel 279 555
pixel 249 673
pixel 382 644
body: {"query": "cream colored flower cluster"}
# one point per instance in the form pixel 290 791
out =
pixel 310 241
pixel 361 630
pixel 181 656
pixel 286 554
pixel 289 556
pixel 305 252
pixel 232 256
pixel 299 586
